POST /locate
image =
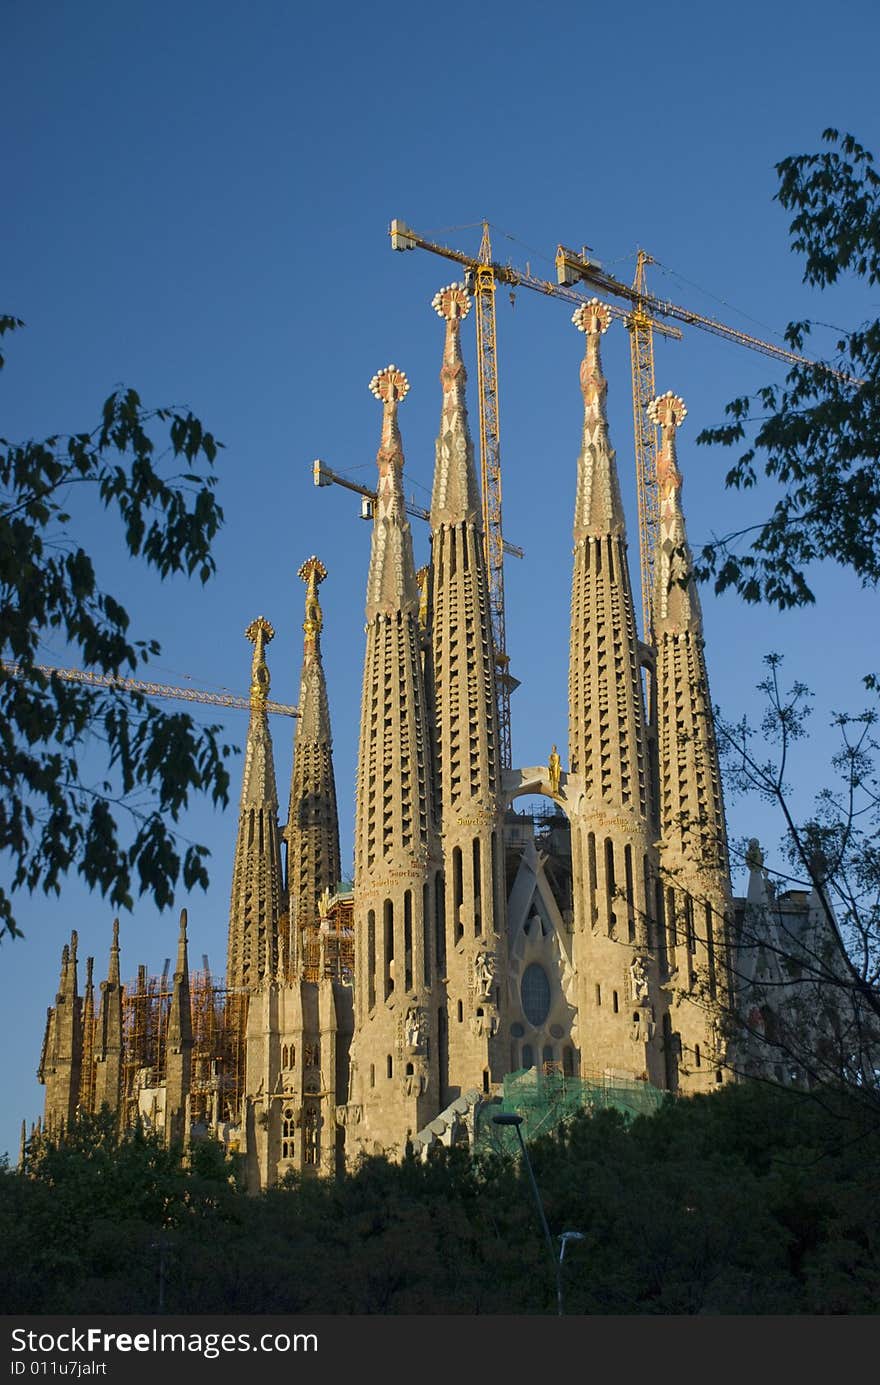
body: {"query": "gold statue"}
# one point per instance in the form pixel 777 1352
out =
pixel 554 769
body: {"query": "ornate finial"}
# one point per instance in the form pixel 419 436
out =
pixel 592 317
pixel 115 942
pixel 667 410
pixel 390 385
pixel 422 579
pixel 312 573
pixel 554 770
pixel 183 922
pixel 325 903
pixel 74 939
pixel 259 632
pixel 452 303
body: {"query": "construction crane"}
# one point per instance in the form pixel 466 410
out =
pixel 323 476
pixel 109 680
pixel 481 276
pixel 645 315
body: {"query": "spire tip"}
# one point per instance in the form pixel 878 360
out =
pixel 390 385
pixel 452 302
pixel 667 410
pixel 592 317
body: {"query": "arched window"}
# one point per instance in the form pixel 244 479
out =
pixel 312 1142
pixel 535 994
pixel 288 1134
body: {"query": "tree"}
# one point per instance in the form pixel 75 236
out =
pixel 820 969
pixel 818 437
pixel 53 817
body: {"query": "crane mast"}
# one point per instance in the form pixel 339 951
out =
pixel 641 343
pixel 490 476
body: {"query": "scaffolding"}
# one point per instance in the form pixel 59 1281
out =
pixel 547 1097
pixel 219 1021
pixel 328 950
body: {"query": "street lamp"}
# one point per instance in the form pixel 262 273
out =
pixel 510 1118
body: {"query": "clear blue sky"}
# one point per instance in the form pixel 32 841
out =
pixel 196 203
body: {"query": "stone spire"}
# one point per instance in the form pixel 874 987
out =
pixel 693 849
pixel 391 583
pixel 312 832
pixel 466 742
pixel 606 714
pixel 108 1048
pixel 61 1062
pixel 612 852
pixel 179 1043
pixel 256 878
pixel 397 867
pixel 87 1069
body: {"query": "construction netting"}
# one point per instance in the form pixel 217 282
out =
pixel 545 1099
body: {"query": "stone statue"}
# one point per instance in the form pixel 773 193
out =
pixel 414 1027
pixel 638 975
pixel 484 972
pixel 554 769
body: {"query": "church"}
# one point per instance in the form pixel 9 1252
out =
pixel 597 943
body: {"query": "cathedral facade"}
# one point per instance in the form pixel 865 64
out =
pixel 475 941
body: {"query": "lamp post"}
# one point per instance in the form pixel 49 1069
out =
pixel 510 1118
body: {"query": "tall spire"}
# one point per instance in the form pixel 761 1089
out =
pixel 455 496
pixel 256 878
pixel 179 1042
pixel 693 849
pixel 606 714
pixel 691 810
pixel 466 740
pixel 312 832
pixel 108 1054
pixel 613 860
pixel 397 857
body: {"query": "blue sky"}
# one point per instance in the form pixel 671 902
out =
pixel 197 203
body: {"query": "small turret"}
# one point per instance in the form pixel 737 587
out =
pixel 108 1048
pixel 179 1043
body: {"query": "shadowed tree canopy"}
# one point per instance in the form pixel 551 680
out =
pixel 151 470
pixel 817 437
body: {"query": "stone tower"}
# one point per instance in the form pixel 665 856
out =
pixel 398 875
pixel 312 832
pixel 298 1026
pixel 255 909
pixel 61 1061
pixel 608 784
pixel 466 742
pixel 693 847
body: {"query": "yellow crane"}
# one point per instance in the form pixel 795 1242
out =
pixel 107 680
pixel 645 314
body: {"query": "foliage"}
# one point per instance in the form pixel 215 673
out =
pixel 827 978
pixel 53 817
pixel 819 435
pixel 752 1200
